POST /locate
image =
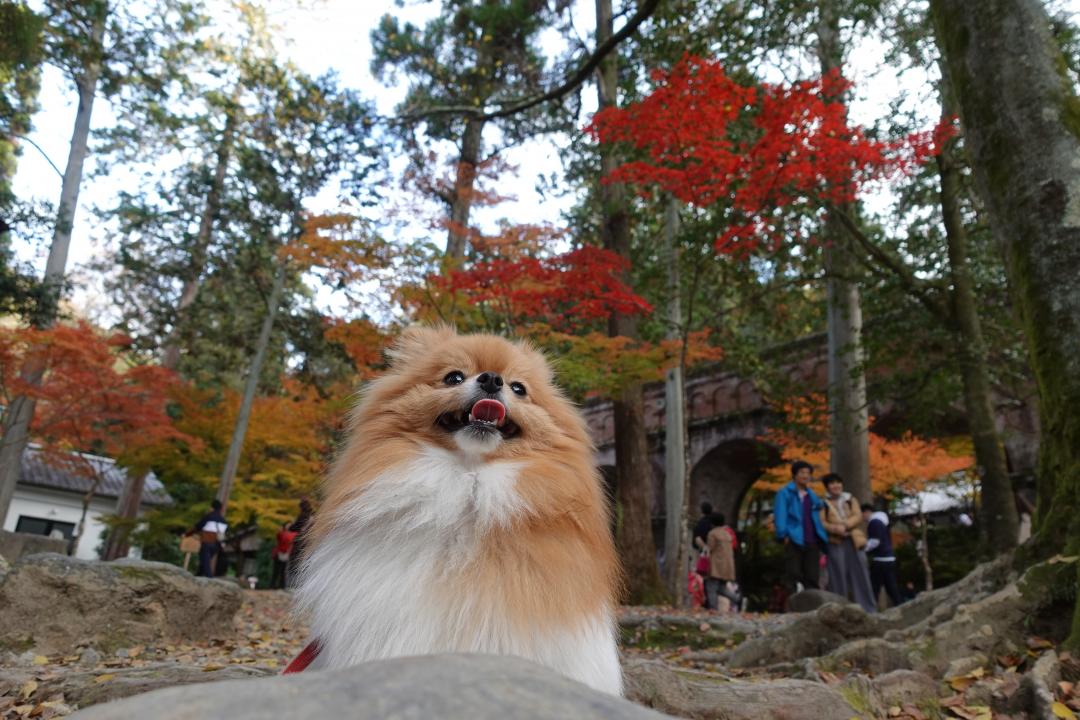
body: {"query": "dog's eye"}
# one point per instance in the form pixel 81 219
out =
pixel 518 388
pixel 455 377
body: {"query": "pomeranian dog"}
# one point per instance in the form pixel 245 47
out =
pixel 464 514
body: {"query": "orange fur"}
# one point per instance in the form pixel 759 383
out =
pixel 555 565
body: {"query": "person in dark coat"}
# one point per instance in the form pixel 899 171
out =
pixel 879 549
pixel 211 528
pixel 299 526
pixel 703 526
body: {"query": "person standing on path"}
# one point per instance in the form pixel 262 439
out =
pixel 211 529
pixel 797 514
pixel 702 527
pixel 842 518
pixel 299 526
pixel 279 580
pixel 882 558
pixel 721 579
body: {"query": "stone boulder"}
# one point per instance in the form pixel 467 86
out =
pixel 469 687
pixel 810 600
pixel 657 685
pixel 869 655
pixel 906 687
pixel 54 603
pixel 807 635
pixel 14 545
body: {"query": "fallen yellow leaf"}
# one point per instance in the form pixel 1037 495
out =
pixel 104 678
pixel 1061 710
pixel 28 689
pixel 41 660
pixel 960 683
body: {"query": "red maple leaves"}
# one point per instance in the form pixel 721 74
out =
pixel 91 398
pixel 769 152
pixel 566 290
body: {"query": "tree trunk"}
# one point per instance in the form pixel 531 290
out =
pixel 170 356
pixel 849 454
pixel 675 475
pixel 127 510
pixel 464 185
pixel 924 551
pixel 633 472
pixel 232 459
pixel 1022 130
pixel 999 524
pixel 19 414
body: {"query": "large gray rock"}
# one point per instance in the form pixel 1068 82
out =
pixel 869 655
pixel 906 687
pixel 53 603
pixel 657 685
pixel 807 635
pixel 469 687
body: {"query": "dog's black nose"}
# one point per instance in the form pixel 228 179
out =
pixel 490 382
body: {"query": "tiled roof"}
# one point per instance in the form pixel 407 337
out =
pixel 75 472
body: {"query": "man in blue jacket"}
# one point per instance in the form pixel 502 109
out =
pixel 797 513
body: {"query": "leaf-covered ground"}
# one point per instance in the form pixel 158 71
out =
pixel 266 637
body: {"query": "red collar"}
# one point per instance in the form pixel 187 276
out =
pixel 305 658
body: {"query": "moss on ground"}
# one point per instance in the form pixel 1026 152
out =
pixel 676 636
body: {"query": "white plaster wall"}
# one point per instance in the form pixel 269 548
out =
pixel 64 507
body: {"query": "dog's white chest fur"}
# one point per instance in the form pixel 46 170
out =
pixel 376 586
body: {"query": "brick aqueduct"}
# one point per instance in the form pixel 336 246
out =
pixel 727 415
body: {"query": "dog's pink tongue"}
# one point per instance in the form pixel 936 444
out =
pixel 489 411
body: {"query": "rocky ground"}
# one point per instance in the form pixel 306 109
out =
pixel 262 640
pixel 981 649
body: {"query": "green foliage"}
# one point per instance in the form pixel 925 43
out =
pixel 955 550
pixel 282 136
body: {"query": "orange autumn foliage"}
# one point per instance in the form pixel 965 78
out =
pixel 340 248
pixel 362 340
pixel 897 467
pixel 287 446
pixel 92 398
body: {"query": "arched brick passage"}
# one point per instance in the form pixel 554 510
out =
pixel 725 473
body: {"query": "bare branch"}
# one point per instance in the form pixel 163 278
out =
pixel 579 76
pixel 43 154
pixel 916 287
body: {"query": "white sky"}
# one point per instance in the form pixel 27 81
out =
pixel 334 34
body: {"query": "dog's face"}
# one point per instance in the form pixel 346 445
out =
pixel 476 394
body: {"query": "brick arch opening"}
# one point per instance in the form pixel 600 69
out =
pixel 725 473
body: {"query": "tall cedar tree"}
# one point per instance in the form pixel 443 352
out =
pixel 21 36
pixel 475 54
pixel 1020 113
pixel 308 133
pixel 101 48
pixel 848 418
pixel 633 471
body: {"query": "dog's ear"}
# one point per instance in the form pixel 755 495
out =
pixel 417 341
